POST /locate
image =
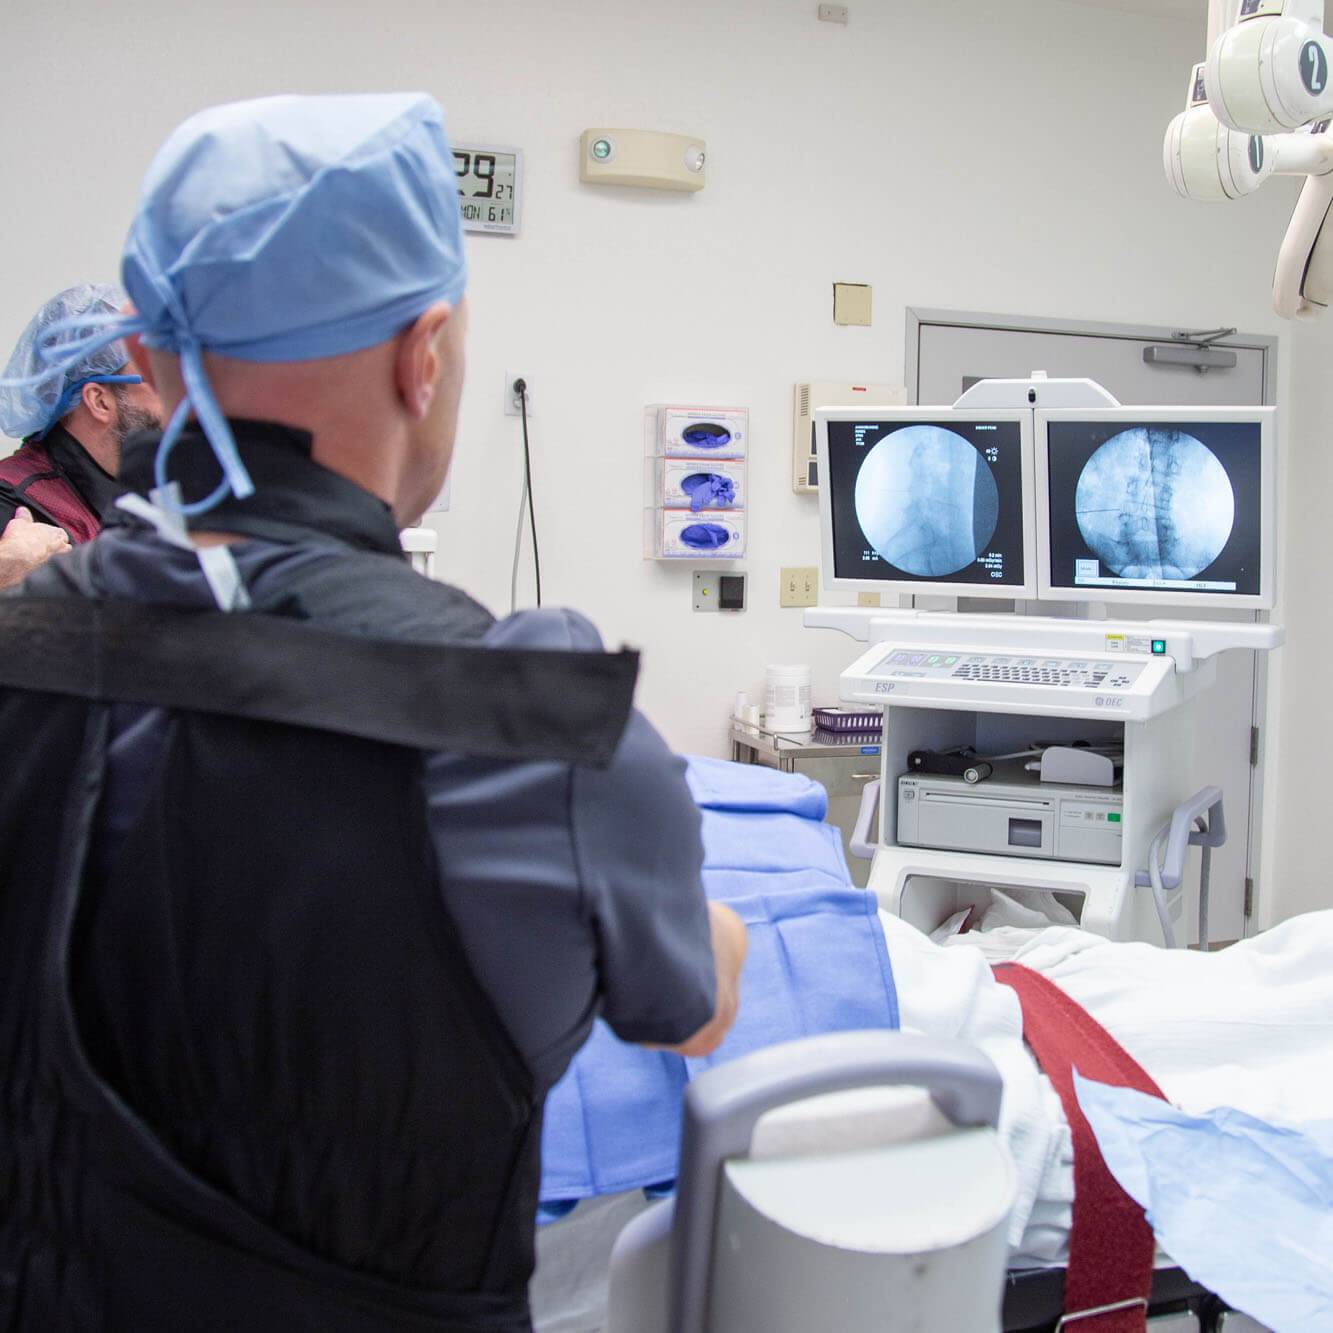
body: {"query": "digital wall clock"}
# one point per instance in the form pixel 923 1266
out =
pixel 490 187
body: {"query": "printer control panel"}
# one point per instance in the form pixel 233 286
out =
pixel 1009 669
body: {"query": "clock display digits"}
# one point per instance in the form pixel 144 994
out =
pixel 484 170
pixel 488 187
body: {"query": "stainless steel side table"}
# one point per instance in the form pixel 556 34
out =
pixel 841 764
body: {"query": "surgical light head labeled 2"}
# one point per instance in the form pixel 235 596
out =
pixel 1269 72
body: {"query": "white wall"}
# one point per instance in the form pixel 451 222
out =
pixel 952 154
pixel 1299 880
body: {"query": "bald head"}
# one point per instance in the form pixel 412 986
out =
pixel 384 417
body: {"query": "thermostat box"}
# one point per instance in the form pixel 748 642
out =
pixel 696 432
pixel 668 478
pixel 811 394
pixel 678 534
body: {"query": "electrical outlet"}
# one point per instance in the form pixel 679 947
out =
pixel 800 586
pixel 513 402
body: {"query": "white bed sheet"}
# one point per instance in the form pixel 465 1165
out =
pixel 1250 1026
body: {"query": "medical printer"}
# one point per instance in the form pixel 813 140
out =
pixel 1011 813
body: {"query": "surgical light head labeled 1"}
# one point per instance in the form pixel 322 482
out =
pixel 1207 161
pixel 1269 72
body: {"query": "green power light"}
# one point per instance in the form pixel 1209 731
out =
pixel 601 149
pixel 1159 646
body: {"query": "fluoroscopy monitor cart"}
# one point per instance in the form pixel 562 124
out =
pixel 927 500
pixel 1157 506
pixel 997 683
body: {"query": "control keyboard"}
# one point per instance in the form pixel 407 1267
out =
pixel 941 676
pixel 1070 672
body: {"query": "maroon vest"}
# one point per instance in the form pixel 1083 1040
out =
pixel 43 488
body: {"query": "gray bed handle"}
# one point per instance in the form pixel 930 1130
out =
pixel 1183 835
pixel 722 1106
pixel 859 843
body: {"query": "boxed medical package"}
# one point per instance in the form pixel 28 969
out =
pixel 695 483
pixel 679 534
pixel 696 432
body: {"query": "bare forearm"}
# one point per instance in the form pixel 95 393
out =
pixel 729 947
pixel 15 567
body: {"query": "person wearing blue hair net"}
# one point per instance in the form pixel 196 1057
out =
pixel 72 418
pixel 315 884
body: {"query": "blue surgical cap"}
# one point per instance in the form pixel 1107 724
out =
pixel 288 229
pixel 34 393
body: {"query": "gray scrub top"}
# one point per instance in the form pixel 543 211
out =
pixel 576 891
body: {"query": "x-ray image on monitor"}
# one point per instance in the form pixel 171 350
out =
pixel 930 501
pixel 1167 506
pixel 1154 503
pixel 926 501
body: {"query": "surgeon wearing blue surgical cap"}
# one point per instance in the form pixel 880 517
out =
pixel 284 1062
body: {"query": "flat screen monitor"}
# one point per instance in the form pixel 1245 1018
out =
pixel 1165 506
pixel 927 500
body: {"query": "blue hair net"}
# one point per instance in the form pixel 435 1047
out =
pixel 289 229
pixel 34 393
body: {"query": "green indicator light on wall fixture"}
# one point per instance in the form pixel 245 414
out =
pixel 601 149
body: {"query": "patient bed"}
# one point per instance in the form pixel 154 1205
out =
pixel 1271 1059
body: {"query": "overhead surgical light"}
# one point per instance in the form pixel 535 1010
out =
pixel 1269 72
pixel 1266 75
pixel 1206 160
pixel 1210 162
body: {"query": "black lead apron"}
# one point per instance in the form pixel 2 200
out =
pixel 249 1082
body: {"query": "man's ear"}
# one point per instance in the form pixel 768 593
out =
pixel 417 361
pixel 100 401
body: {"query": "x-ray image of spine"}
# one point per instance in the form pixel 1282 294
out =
pixel 1155 503
pixel 926 501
